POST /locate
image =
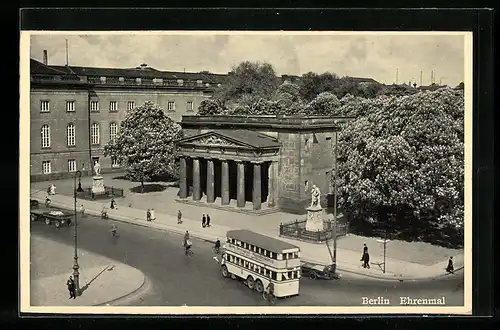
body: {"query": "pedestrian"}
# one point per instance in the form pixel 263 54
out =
pixel 365 250
pixel 152 215
pixel 208 220
pixel 450 268
pixel 82 210
pixel 71 287
pixel 148 215
pixel 203 221
pixel 366 260
pixel 179 217
pixel 112 206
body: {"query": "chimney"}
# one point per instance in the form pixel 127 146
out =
pixel 45 57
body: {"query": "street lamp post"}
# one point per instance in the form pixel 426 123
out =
pixel 334 227
pixel 76 274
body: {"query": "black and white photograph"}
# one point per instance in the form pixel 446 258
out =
pixel 245 172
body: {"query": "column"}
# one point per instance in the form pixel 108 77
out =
pixel 196 180
pixel 225 183
pixel 257 188
pixel 183 191
pixel 271 182
pixel 241 184
pixel 210 181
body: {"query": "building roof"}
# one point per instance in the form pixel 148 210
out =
pixel 363 80
pixel 240 137
pixel 253 138
pixel 139 72
pixel 262 241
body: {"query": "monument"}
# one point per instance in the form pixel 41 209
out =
pixel 315 211
pixel 98 181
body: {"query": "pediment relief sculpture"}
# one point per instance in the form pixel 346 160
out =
pixel 214 141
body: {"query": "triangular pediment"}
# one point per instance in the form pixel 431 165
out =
pixel 213 139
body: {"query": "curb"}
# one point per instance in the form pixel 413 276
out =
pixel 125 295
pixel 166 228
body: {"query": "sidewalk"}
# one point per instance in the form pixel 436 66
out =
pixel 102 280
pixel 347 258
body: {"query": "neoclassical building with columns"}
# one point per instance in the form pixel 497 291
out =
pixel 256 164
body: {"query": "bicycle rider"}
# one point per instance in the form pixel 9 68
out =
pixel 217 246
pixel 114 228
pixel 270 290
pixel 187 243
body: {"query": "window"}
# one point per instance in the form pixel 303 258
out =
pixel 190 106
pixel 113 106
pixel 171 106
pixel 44 106
pixel 71 165
pixel 46 168
pixel 94 106
pixel 113 131
pixel 114 162
pixel 70 135
pixel 130 105
pixel 45 136
pixel 94 133
pixel 70 106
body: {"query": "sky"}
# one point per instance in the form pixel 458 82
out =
pixel 378 56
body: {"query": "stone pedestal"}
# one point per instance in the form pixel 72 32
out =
pixel 314 218
pixel 98 185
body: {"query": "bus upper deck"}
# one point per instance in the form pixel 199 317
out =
pixel 259 260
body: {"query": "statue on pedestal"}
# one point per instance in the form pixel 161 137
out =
pixel 315 196
pixel 97 169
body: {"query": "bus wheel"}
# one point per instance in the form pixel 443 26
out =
pixel 259 286
pixel 58 224
pixel 225 272
pixel 250 283
pixel 233 277
pixel 33 217
pixel 313 276
pixel 47 221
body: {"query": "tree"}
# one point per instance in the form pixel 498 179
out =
pixel 312 84
pixel 325 104
pixel 145 144
pixel 212 106
pixel 249 78
pixel 402 164
pixel 397 90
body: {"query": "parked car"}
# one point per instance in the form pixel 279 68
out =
pixel 50 215
pixel 317 271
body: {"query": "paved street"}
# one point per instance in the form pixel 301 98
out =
pixel 174 279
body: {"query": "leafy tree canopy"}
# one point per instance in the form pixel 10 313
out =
pixel 145 143
pixel 404 156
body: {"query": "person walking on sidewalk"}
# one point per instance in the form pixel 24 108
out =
pixel 208 220
pixel 148 215
pixel 365 257
pixel 113 203
pixel 179 217
pixel 450 268
pixel 71 287
pixel 203 221
pixel 82 210
pixel 152 215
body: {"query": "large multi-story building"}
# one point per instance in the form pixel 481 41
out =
pixel 75 111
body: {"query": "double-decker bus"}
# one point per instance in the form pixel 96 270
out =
pixel 259 259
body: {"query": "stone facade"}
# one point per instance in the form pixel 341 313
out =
pixel 304 157
pixel 93 99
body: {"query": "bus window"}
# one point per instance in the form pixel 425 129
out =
pixel 295 255
pixel 274 255
pixel 290 275
pixel 274 275
pixel 285 256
